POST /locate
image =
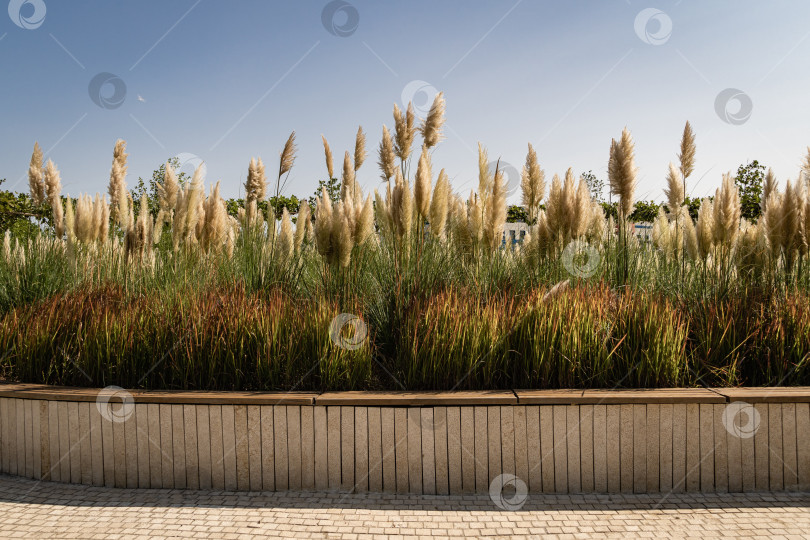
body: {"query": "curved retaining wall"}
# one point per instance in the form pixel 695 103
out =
pixel 428 443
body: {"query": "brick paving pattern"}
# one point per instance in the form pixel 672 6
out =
pixel 30 509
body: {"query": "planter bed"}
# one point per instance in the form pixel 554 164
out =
pixel 555 441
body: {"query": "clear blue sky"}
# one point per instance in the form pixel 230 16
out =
pixel 229 80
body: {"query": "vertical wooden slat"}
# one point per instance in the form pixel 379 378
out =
pixel 229 448
pixel 803 445
pixel 789 446
pixel 733 453
pixel 322 475
pixel 600 449
pixel 333 441
pixel 20 426
pixel 665 447
pixel 389 450
pixel 693 447
pixel 361 463
pixel 508 440
pixel 12 438
pixel 494 463
pixel 4 435
pixel 217 447
pixel 706 447
pixel 586 447
pixel 720 450
pixel 141 420
pixel 428 457
pixel 54 436
pixel 613 447
pixel 254 444
pixel 29 439
pixel 761 451
pixel 547 448
pixel 521 445
pixel 268 447
pixel 775 459
pixel 481 454
pixel 155 455
pixel 414 450
pixel 131 443
pixel 86 467
pixel 626 444
pixel 440 450
pixel 639 448
pixel 653 444
pixel 572 432
pixel 347 448
pixel 192 457
pixel 308 448
pixel 64 442
pixel 455 452
pixel 401 444
pixel 294 446
pixel 44 441
pixel 560 449
pixel 166 446
pixel 178 447
pixel 281 448
pixel 204 445
pixel 107 444
pixel 469 467
pixel 679 444
pixel 240 432
pixel 533 453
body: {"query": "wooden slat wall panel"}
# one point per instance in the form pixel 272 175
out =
pixel 533 453
pixel 428 451
pixel 613 437
pixel 361 449
pixel 268 446
pixel 720 450
pixel 706 447
pixel 626 418
pixel 131 444
pixel 333 444
pixel 803 444
pixel 414 450
pixel 761 452
pixel 640 448
pixel 166 447
pixel 294 446
pixel 307 448
pixel 679 448
pixel 229 465
pixel 481 454
pixel 789 446
pixel 347 448
pixel 547 448
pixel 44 441
pixel 141 421
pixel 322 476
pixel 204 446
pixel 521 446
pixel 692 447
pixel 178 447
pixel 468 437
pixel 572 434
pixel 560 421
pixel 155 454
pixel 3 435
pixel 64 442
pixel 29 439
pixel 455 451
pixel 85 437
pixel 775 458
pixel 734 458
pixel 600 449
pixel 192 457
pixel 20 426
pixel 389 450
pixel 401 448
pixel 217 447
pixel 665 447
pixel 494 444
pixel 440 450
pixel 748 453
pixel 653 464
pixel 280 448
pixel 586 447
pixel 254 444
pixel 242 447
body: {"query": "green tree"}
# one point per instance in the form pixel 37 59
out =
pixel 596 186
pixel 749 180
pixel 19 215
pixel 516 213
pixel 151 189
pixel 332 186
pixel 644 211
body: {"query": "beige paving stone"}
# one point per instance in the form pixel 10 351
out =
pixel 776 457
pixel 166 447
pixel 254 447
pixel 414 450
pixel 204 446
pixel 153 443
pixel 600 449
pixel 440 451
pixel 269 447
pixel 361 449
pixel 307 448
pixel 347 448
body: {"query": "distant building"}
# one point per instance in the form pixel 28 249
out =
pixel 514 233
pixel 642 230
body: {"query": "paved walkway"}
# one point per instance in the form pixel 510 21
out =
pixel 49 510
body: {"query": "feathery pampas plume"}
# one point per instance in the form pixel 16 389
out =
pixel 687 154
pixel 167 199
pixel 404 131
pixel 256 182
pixel 287 158
pixel 301 225
pixel 216 225
pixel 35 182
pixel 359 149
pixel 386 155
pixel 484 176
pixel 792 235
pixel 139 235
pixel 348 183
pixel 496 211
pixel 187 213
pixel 118 185
pixel 423 183
pixel 432 125
pixel 323 225
pixel 726 212
pixel 53 191
pixel 286 241
pixel 622 172
pixel 767 188
pixel 330 165
pixel 772 223
pixel 402 206
pixel 70 221
pixel 439 205
pixel 532 184
pixel 703 230
pixel 674 191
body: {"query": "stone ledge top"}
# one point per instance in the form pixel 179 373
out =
pixel 797 394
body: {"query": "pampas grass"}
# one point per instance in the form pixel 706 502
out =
pixel 117 188
pixel 422 184
pixel 53 191
pixel 404 132
pixel 432 125
pixel 439 206
pixel 330 165
pixel 36 184
pixel 687 153
pixel 386 155
pixel 532 184
pixel 359 149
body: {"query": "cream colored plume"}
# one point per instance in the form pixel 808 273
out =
pixel 622 172
pixel 53 192
pixel 726 212
pixel 286 241
pixel 348 181
pixel 188 212
pixel 402 206
pixel 532 184
pixel 687 154
pixel 432 126
pixel 439 205
pixel 359 149
pixel 117 189
pixel 674 191
pixel 793 236
pixel 772 223
pixel 768 187
pixel 217 223
pixel 386 155
pixel 422 184
pixel 139 234
pixel 705 223
pixel 496 211
pixel 484 176
pixel 287 157
pixel 256 182
pixel 404 131
pixel 330 165
pixel 301 223
pixel 35 177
